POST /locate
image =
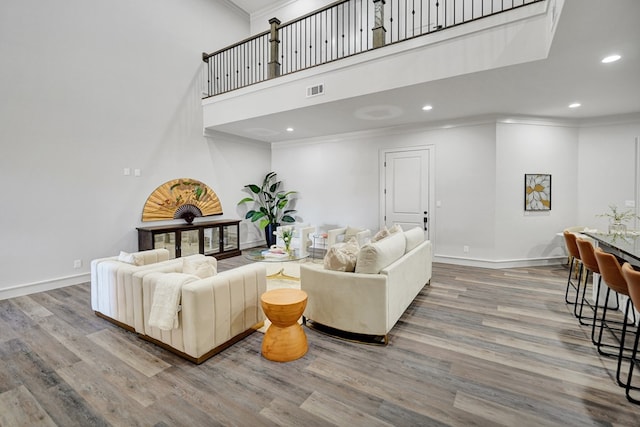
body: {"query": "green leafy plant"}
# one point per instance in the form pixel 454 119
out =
pixel 271 202
pixel 619 216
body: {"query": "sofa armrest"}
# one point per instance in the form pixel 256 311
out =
pixel 363 237
pixel 149 257
pixel 112 291
pixel 219 308
pixel 407 276
pixel 95 281
pixel 306 239
pixel 352 302
pixel 332 236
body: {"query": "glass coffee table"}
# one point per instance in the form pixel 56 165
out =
pixel 260 255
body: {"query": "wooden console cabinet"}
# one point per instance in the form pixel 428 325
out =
pixel 220 238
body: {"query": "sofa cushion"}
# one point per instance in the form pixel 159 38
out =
pixel 133 259
pixel 413 237
pixel 201 267
pixel 342 256
pixel 375 256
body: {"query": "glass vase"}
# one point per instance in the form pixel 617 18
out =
pixel 617 227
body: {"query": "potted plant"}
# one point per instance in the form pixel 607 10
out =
pixel 271 205
pixel 618 219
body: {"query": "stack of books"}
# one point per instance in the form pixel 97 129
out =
pixel 274 253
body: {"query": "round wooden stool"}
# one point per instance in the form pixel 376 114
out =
pixel 285 339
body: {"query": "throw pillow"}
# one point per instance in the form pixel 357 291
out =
pixel 384 232
pixel 342 256
pixel 414 237
pixel 376 256
pixel 202 269
pixel 133 259
pixel 395 229
pixel 351 232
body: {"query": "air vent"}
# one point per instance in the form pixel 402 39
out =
pixel 315 90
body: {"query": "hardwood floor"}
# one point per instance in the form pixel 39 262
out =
pixel 476 348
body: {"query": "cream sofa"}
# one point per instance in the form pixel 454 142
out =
pixel 388 276
pixel 215 312
pixel 112 287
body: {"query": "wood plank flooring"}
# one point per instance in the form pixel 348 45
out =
pixel 477 347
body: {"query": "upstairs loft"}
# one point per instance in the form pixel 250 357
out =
pixel 340 55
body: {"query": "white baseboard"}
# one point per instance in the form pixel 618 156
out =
pixel 47 285
pixel 497 264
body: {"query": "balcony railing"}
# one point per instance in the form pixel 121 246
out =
pixel 342 29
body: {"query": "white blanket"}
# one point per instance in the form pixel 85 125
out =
pixel 166 300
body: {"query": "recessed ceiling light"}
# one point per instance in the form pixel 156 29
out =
pixel 427 107
pixel 610 58
pixel 575 105
pixel 289 129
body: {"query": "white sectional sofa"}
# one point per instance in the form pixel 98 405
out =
pixel 215 311
pixel 388 275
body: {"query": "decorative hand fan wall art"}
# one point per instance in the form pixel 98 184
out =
pixel 181 198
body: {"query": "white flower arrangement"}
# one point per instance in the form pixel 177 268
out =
pixel 286 234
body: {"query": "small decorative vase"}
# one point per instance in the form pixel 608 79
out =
pixel 617 227
pixel 287 247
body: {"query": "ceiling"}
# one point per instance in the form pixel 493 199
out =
pixel 251 6
pixel 587 31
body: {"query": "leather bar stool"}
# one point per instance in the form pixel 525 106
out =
pixel 633 283
pixel 611 272
pixel 574 265
pixel 590 265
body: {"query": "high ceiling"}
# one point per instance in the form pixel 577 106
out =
pixel 587 31
pixel 251 6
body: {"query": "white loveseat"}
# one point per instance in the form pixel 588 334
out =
pixel 215 311
pixel 388 275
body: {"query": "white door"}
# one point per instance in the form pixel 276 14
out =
pixel 406 188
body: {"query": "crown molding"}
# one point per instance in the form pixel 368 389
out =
pixel 237 9
pixel 214 135
pixel 619 119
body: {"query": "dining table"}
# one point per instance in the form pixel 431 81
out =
pixel 625 246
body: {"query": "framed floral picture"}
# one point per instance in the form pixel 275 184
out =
pixel 537 192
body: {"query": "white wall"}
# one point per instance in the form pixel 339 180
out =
pixel 534 148
pixel 607 168
pixel 338 180
pixel 89 88
pixel 480 171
